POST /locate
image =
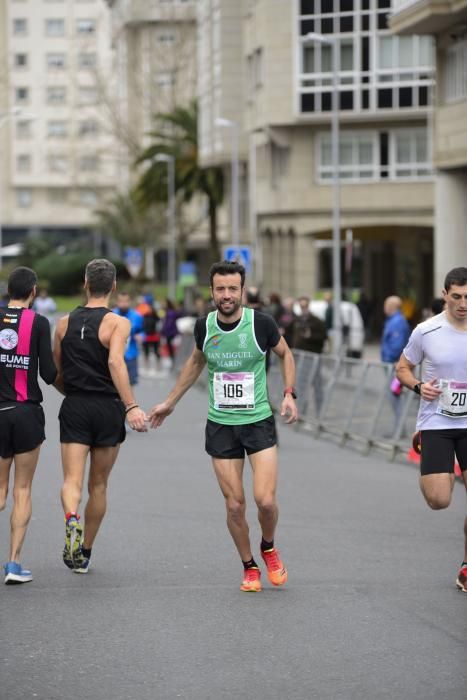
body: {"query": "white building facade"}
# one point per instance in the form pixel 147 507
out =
pixel 56 149
pixel 284 107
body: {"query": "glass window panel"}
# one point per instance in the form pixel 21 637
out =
pixel 365 152
pixel 326 59
pixel 385 52
pixel 345 152
pixel 403 148
pixel 426 50
pixel 347 56
pixel 406 51
pixel 308 59
pixel 326 153
pixel 421 147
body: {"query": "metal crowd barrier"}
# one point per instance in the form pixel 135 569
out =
pixel 345 399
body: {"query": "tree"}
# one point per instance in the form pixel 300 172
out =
pixel 177 135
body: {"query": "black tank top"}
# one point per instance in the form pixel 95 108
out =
pixel 85 361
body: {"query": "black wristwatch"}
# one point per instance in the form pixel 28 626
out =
pixel 417 388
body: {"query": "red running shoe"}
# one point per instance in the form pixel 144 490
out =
pixel 252 581
pixel 461 582
pixel 277 573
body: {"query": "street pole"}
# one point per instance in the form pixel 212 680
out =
pixel 171 231
pixel 235 173
pixel 336 215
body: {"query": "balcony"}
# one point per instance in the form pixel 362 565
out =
pixel 427 16
pixel 144 11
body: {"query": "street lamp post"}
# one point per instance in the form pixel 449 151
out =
pixel 171 276
pixel 4 118
pixel 336 233
pixel 234 185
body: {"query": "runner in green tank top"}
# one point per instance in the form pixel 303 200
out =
pixel 233 341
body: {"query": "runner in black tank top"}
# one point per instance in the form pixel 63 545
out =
pixel 24 351
pixel 89 350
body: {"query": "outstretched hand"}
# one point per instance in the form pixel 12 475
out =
pixel 137 420
pixel 159 413
pixel 289 409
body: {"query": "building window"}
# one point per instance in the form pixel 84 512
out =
pixel 454 72
pixel 58 163
pixel 56 95
pixel 23 163
pixel 20 26
pixel 23 129
pixel 56 61
pixel 88 127
pixel 374 156
pixel 21 60
pixel 21 95
pixel 376 71
pixel 24 197
pixel 87 60
pixel 166 38
pixel 57 195
pixel 55 27
pixel 165 80
pixel 85 26
pixel 89 163
pixel 88 198
pixel 57 129
pixel 87 95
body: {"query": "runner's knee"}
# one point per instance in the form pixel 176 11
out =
pixel 438 501
pixel 235 508
pixel 266 504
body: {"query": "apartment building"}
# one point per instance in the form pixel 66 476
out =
pixel 155 45
pixel 447 23
pixel 281 83
pixel 56 149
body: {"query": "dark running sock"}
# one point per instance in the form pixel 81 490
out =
pixel 249 564
pixel 86 552
pixel 266 545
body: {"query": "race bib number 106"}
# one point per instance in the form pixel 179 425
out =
pixel 234 390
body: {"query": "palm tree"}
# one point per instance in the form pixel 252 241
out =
pixel 177 135
pixel 127 222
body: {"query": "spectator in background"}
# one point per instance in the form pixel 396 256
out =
pixel 169 330
pixel 437 306
pixel 396 333
pixel 45 306
pixel 365 306
pixel 274 308
pixel 151 338
pixel 253 299
pixel 309 333
pixel 286 320
pixel 123 308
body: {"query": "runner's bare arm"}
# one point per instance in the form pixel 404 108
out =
pixel 118 371
pixel 404 372
pixel 60 330
pixel 287 362
pixel 187 377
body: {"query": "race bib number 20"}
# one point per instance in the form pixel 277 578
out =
pixel 234 390
pixel 453 401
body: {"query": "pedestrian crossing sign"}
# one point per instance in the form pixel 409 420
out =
pixel 240 254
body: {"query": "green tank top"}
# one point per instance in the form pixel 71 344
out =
pixel 238 392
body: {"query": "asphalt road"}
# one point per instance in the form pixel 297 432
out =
pixel 370 611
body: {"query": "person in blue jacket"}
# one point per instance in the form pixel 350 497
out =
pixel 123 308
pixel 396 333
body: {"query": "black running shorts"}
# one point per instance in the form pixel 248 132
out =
pixel 439 449
pixel 232 441
pixel 97 421
pixel 21 428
